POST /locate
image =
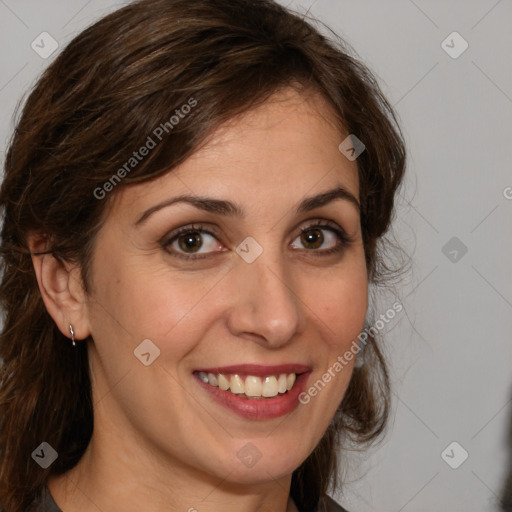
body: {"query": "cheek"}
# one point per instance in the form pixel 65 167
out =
pixel 341 305
pixel 338 310
pixel 140 302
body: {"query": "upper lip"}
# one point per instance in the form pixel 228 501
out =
pixel 257 369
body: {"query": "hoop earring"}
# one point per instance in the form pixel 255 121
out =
pixel 72 332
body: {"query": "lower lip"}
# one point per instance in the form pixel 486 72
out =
pixel 263 409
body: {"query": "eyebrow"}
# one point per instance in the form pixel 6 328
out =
pixel 228 208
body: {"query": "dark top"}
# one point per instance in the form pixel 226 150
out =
pixel 46 504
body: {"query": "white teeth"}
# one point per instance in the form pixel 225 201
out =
pixel 269 387
pixel 252 386
pixel 281 384
pixel 290 381
pixel 236 384
pixel 223 382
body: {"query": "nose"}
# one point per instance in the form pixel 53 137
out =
pixel 264 305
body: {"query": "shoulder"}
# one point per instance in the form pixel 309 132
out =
pixel 327 504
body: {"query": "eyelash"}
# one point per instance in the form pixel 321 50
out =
pixel 344 239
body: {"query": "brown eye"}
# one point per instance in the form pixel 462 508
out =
pixel 312 239
pixel 190 242
pixel 321 239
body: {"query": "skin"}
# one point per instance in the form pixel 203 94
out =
pixel 160 443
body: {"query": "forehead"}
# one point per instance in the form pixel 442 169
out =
pixel 282 149
pixel 289 124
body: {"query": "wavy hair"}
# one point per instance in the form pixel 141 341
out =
pixel 98 101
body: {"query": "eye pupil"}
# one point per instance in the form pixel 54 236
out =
pixel 190 242
pixel 313 238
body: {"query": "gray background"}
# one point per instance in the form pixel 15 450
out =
pixel 450 349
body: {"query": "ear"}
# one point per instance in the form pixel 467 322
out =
pixel 61 287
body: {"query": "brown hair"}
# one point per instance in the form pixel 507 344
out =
pixel 98 102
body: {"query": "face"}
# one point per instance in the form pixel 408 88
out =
pixel 244 267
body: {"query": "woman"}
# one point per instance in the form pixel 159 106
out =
pixel 193 203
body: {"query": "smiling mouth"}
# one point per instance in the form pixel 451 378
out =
pixel 250 386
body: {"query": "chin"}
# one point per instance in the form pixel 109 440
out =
pixel 260 473
pixel 259 461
